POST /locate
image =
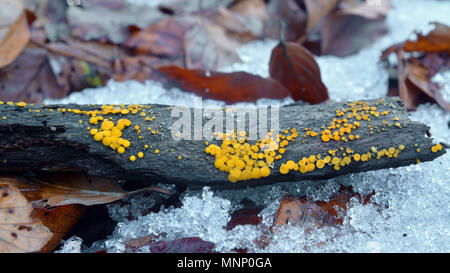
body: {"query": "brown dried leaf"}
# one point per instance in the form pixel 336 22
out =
pixel 19 232
pixel 346 31
pixel 14 31
pixel 164 38
pixel 295 68
pixel 59 221
pixel 245 216
pixel 436 41
pixel 301 211
pixel 70 188
pixel 229 87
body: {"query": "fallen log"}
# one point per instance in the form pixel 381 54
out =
pixel 58 138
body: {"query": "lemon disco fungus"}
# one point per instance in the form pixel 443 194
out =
pixel 243 160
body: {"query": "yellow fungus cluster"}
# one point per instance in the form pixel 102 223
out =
pixel 110 134
pixel 244 161
pixel 347 120
pixel 436 148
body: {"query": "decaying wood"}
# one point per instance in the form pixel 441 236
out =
pixel 55 141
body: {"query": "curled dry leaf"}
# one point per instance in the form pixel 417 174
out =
pixel 346 31
pixel 295 68
pixel 14 31
pixel 19 232
pixel 229 87
pixel 302 211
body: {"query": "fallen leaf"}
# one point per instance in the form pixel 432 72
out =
pixel 19 232
pixel 437 40
pixel 206 46
pixel 229 87
pixel 71 188
pixel 245 216
pixel 14 31
pixel 59 221
pixel 346 31
pixel 301 211
pixel 29 78
pixel 164 38
pixel 295 68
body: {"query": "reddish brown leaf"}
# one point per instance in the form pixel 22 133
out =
pixel 14 31
pixel 294 67
pixel 229 87
pixel 244 216
pixel 165 38
pixel 436 41
pixel 296 210
pixel 59 221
